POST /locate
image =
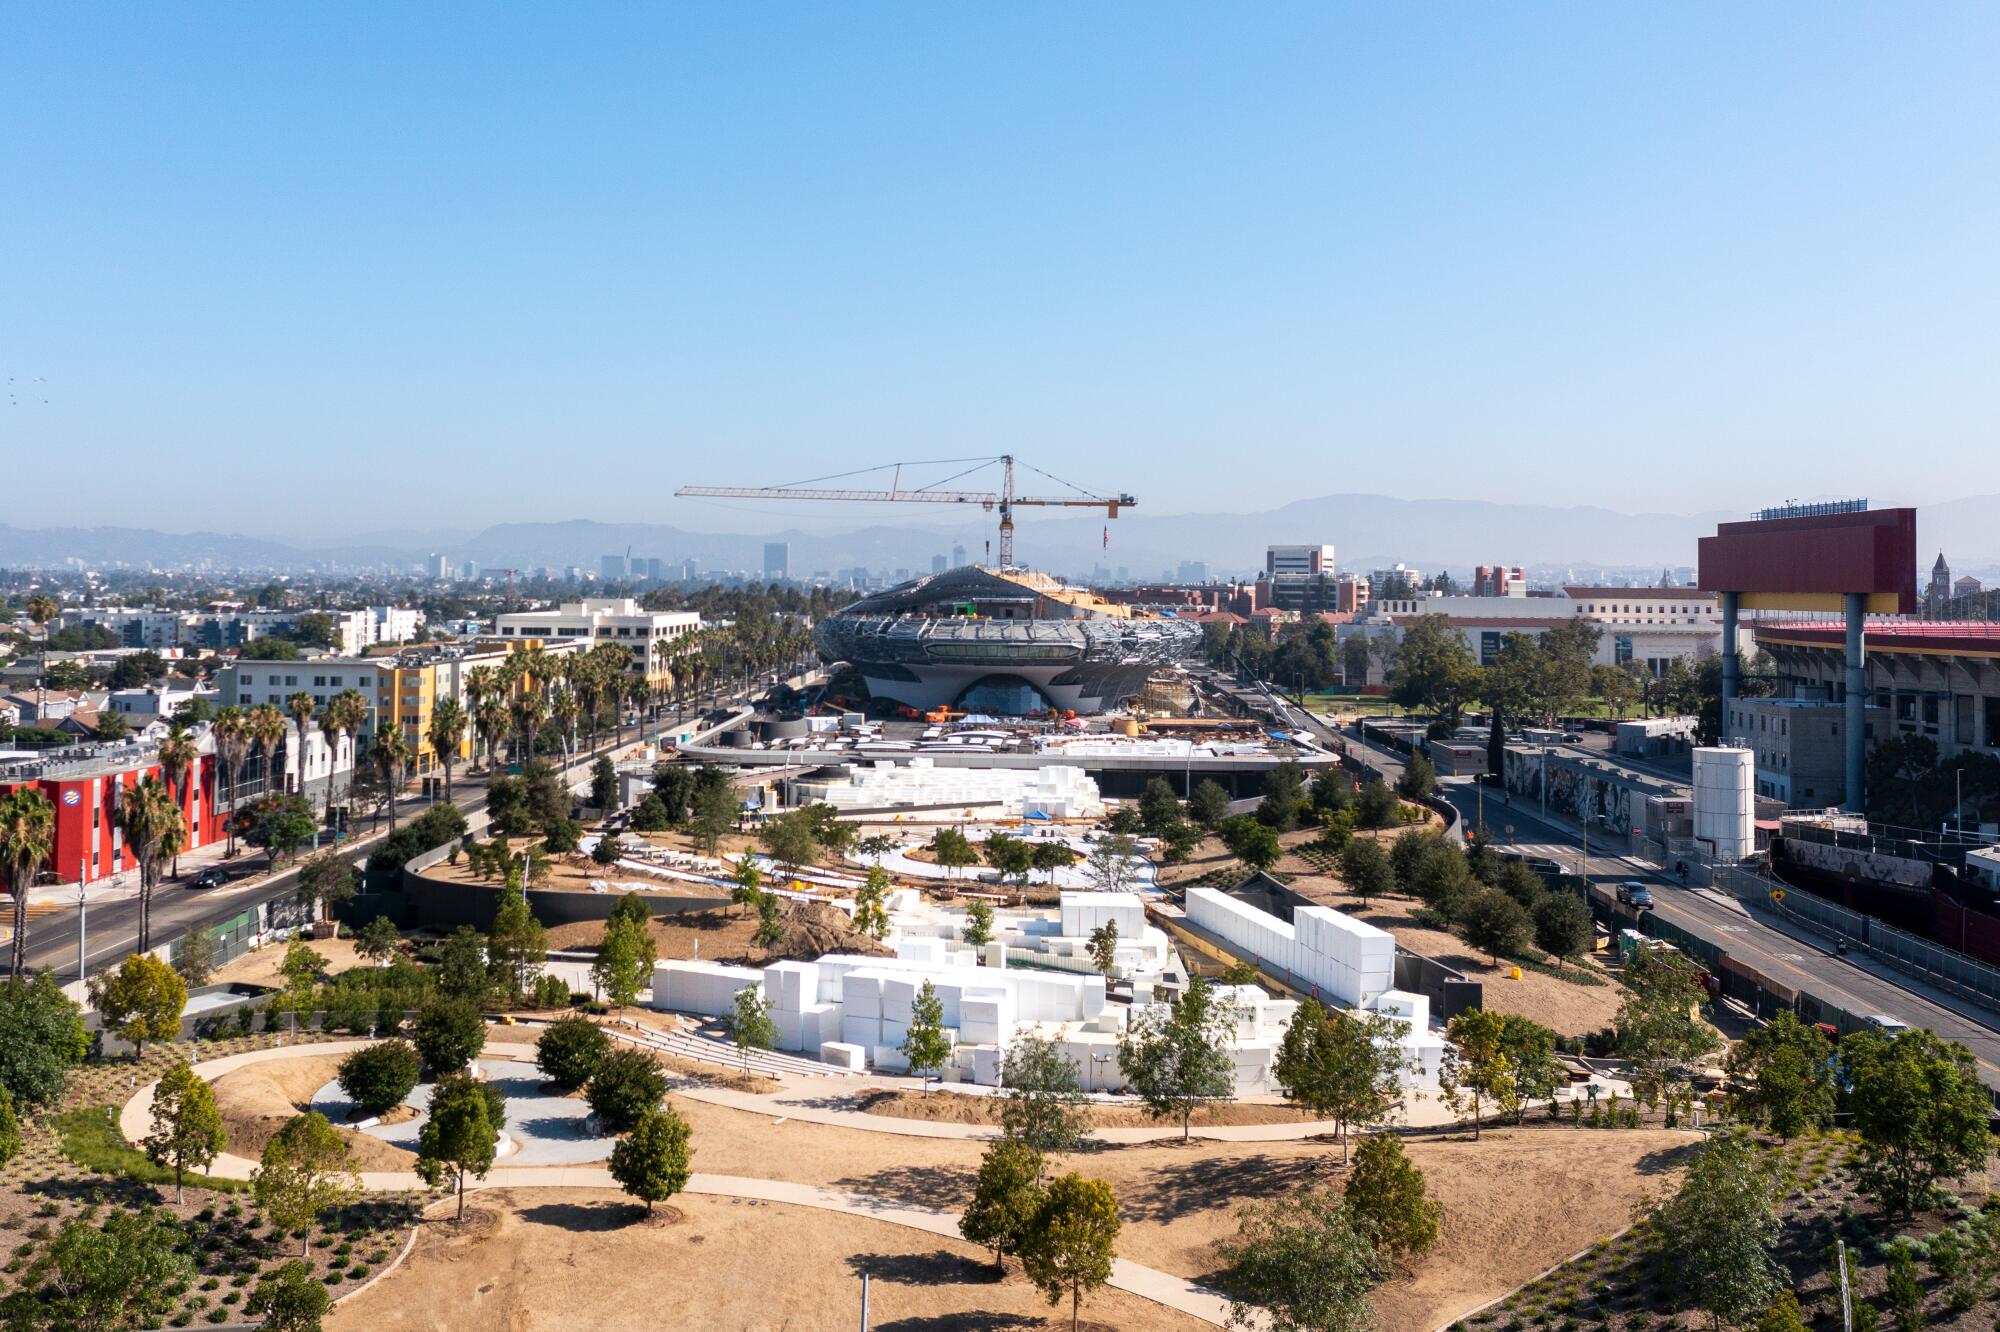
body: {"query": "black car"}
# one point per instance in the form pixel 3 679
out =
pixel 210 878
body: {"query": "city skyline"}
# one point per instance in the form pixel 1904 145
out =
pixel 405 259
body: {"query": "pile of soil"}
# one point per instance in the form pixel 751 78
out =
pixel 255 1102
pixel 728 934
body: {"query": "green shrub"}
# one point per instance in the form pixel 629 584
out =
pixel 627 1083
pixel 570 1051
pixel 377 1078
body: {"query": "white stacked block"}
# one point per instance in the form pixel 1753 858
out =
pixel 986 1065
pixel 1413 1009
pixel 1083 914
pixel 707 988
pixel 995 955
pixel 986 1019
pixel 899 995
pixel 1345 959
pixel 791 985
pixel 929 950
pixel 818 1024
pixel 840 1054
pixel 893 1032
pixel 785 1025
pixel 865 1033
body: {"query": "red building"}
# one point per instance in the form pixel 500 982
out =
pixel 84 784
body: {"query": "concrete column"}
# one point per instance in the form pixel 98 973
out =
pixel 1856 703
pixel 1730 663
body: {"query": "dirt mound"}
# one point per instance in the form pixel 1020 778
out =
pixel 256 1102
pixel 728 934
pixel 814 929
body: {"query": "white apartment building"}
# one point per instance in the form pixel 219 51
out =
pixel 1653 626
pixel 650 635
pixel 198 631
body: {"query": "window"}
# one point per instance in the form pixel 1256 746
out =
pixel 1621 649
pixel 319 681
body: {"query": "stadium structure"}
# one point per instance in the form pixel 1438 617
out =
pixel 1002 641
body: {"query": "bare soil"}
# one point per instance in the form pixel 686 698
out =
pixel 562 1259
pixel 957 1108
pixel 727 934
pixel 260 967
pixel 1515 1202
pixel 256 1102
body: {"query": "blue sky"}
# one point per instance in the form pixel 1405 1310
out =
pixel 281 267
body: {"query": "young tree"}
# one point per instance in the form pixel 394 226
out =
pixel 117 1274
pixel 1562 927
pixel 187 1128
pixel 462 1133
pixel 303 967
pixel 1159 808
pixel 1495 923
pixel 1013 857
pixel 10 1128
pixel 326 880
pixel 606 850
pixel 978 929
pixel 770 921
pixel 1476 1067
pixel 290 1299
pixel 305 1172
pixel 1442 880
pixel 1284 797
pixel 952 850
pixel 1174 1056
pixel 1375 806
pixel 790 841
pixel 1419 779
pixel 517 946
pixel 1005 1199
pixel 141 1001
pixel 195 962
pixel 378 940
pixel 1068 1248
pixel 748 881
pixel 1048 857
pixel 461 966
pixel 449 1034
pixel 1921 1113
pixel 377 1077
pixel 627 1083
pixel 1209 805
pixel 569 1050
pixel 42 1037
pixel 603 784
pixel 1255 844
pixel 1340 1066
pixel 650 815
pixel 1113 863
pixel 1366 869
pixel 652 1161
pixel 926 1045
pixel 1721 1227
pixel 1104 947
pixel 1302 1262
pixel 1387 1199
pixel 1657 1027
pixel 1789 1066
pixel 1533 1071
pixel 1041 1102
pixel 624 964
pixel 871 910
pixel 750 1025
pixel 716 807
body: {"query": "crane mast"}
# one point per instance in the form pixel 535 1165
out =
pixel 1004 499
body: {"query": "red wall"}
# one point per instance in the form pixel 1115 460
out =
pixel 1873 551
pixel 83 817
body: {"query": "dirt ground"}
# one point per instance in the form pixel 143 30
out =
pixel 1564 1008
pixel 725 934
pixel 573 1258
pixel 573 871
pixel 956 1108
pixel 261 966
pixel 257 1101
pixel 1516 1202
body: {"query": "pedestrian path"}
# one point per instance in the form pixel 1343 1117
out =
pixel 135 1122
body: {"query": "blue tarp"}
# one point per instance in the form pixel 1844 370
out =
pixel 1037 815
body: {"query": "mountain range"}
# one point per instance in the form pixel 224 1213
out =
pixel 1368 531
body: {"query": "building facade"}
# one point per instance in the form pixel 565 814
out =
pixel 1937 680
pixel 85 784
pixel 1798 746
pixel 652 636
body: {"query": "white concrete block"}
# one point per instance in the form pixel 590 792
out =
pixel 863 996
pixel 853 1058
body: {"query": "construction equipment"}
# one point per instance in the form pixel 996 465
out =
pixel 1004 499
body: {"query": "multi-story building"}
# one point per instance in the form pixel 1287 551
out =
pixel 613 568
pixel 1652 626
pixel 1937 596
pixel 437 566
pixel 651 635
pixel 1940 681
pixel 159 701
pixel 777 561
pixel 86 782
pixel 218 629
pixel 1499 580
pixel 1966 587
pixel 1800 756
pixel 1283 561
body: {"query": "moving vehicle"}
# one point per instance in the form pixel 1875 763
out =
pixel 1888 1026
pixel 1635 894
pixel 209 878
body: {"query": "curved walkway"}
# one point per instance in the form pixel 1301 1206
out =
pixel 135 1121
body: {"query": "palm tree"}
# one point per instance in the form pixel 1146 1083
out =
pixel 302 709
pixel 447 732
pixel 482 683
pixel 563 709
pixel 491 719
pixel 153 827
pixel 346 713
pixel 177 757
pixel 390 753
pixel 529 710
pixel 27 838
pixel 639 693
pixel 232 746
pixel 41 609
pixel 266 728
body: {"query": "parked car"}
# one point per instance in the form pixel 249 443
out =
pixel 1888 1026
pixel 209 878
pixel 1635 894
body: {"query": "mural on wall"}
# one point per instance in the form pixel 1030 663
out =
pixel 1584 793
pixel 1851 863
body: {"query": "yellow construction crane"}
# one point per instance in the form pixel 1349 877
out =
pixel 1003 499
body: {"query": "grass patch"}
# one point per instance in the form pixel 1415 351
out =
pixel 1575 975
pixel 90 1137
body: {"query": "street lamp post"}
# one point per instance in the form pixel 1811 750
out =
pixel 82 873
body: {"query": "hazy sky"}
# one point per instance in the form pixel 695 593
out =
pixel 269 268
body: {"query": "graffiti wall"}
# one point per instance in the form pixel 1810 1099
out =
pixel 1576 790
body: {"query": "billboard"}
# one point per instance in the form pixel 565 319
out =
pixel 1812 562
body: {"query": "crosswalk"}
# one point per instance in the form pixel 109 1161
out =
pixel 36 910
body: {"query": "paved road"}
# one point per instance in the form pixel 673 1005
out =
pixel 113 926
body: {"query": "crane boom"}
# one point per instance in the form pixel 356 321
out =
pixel 1003 499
